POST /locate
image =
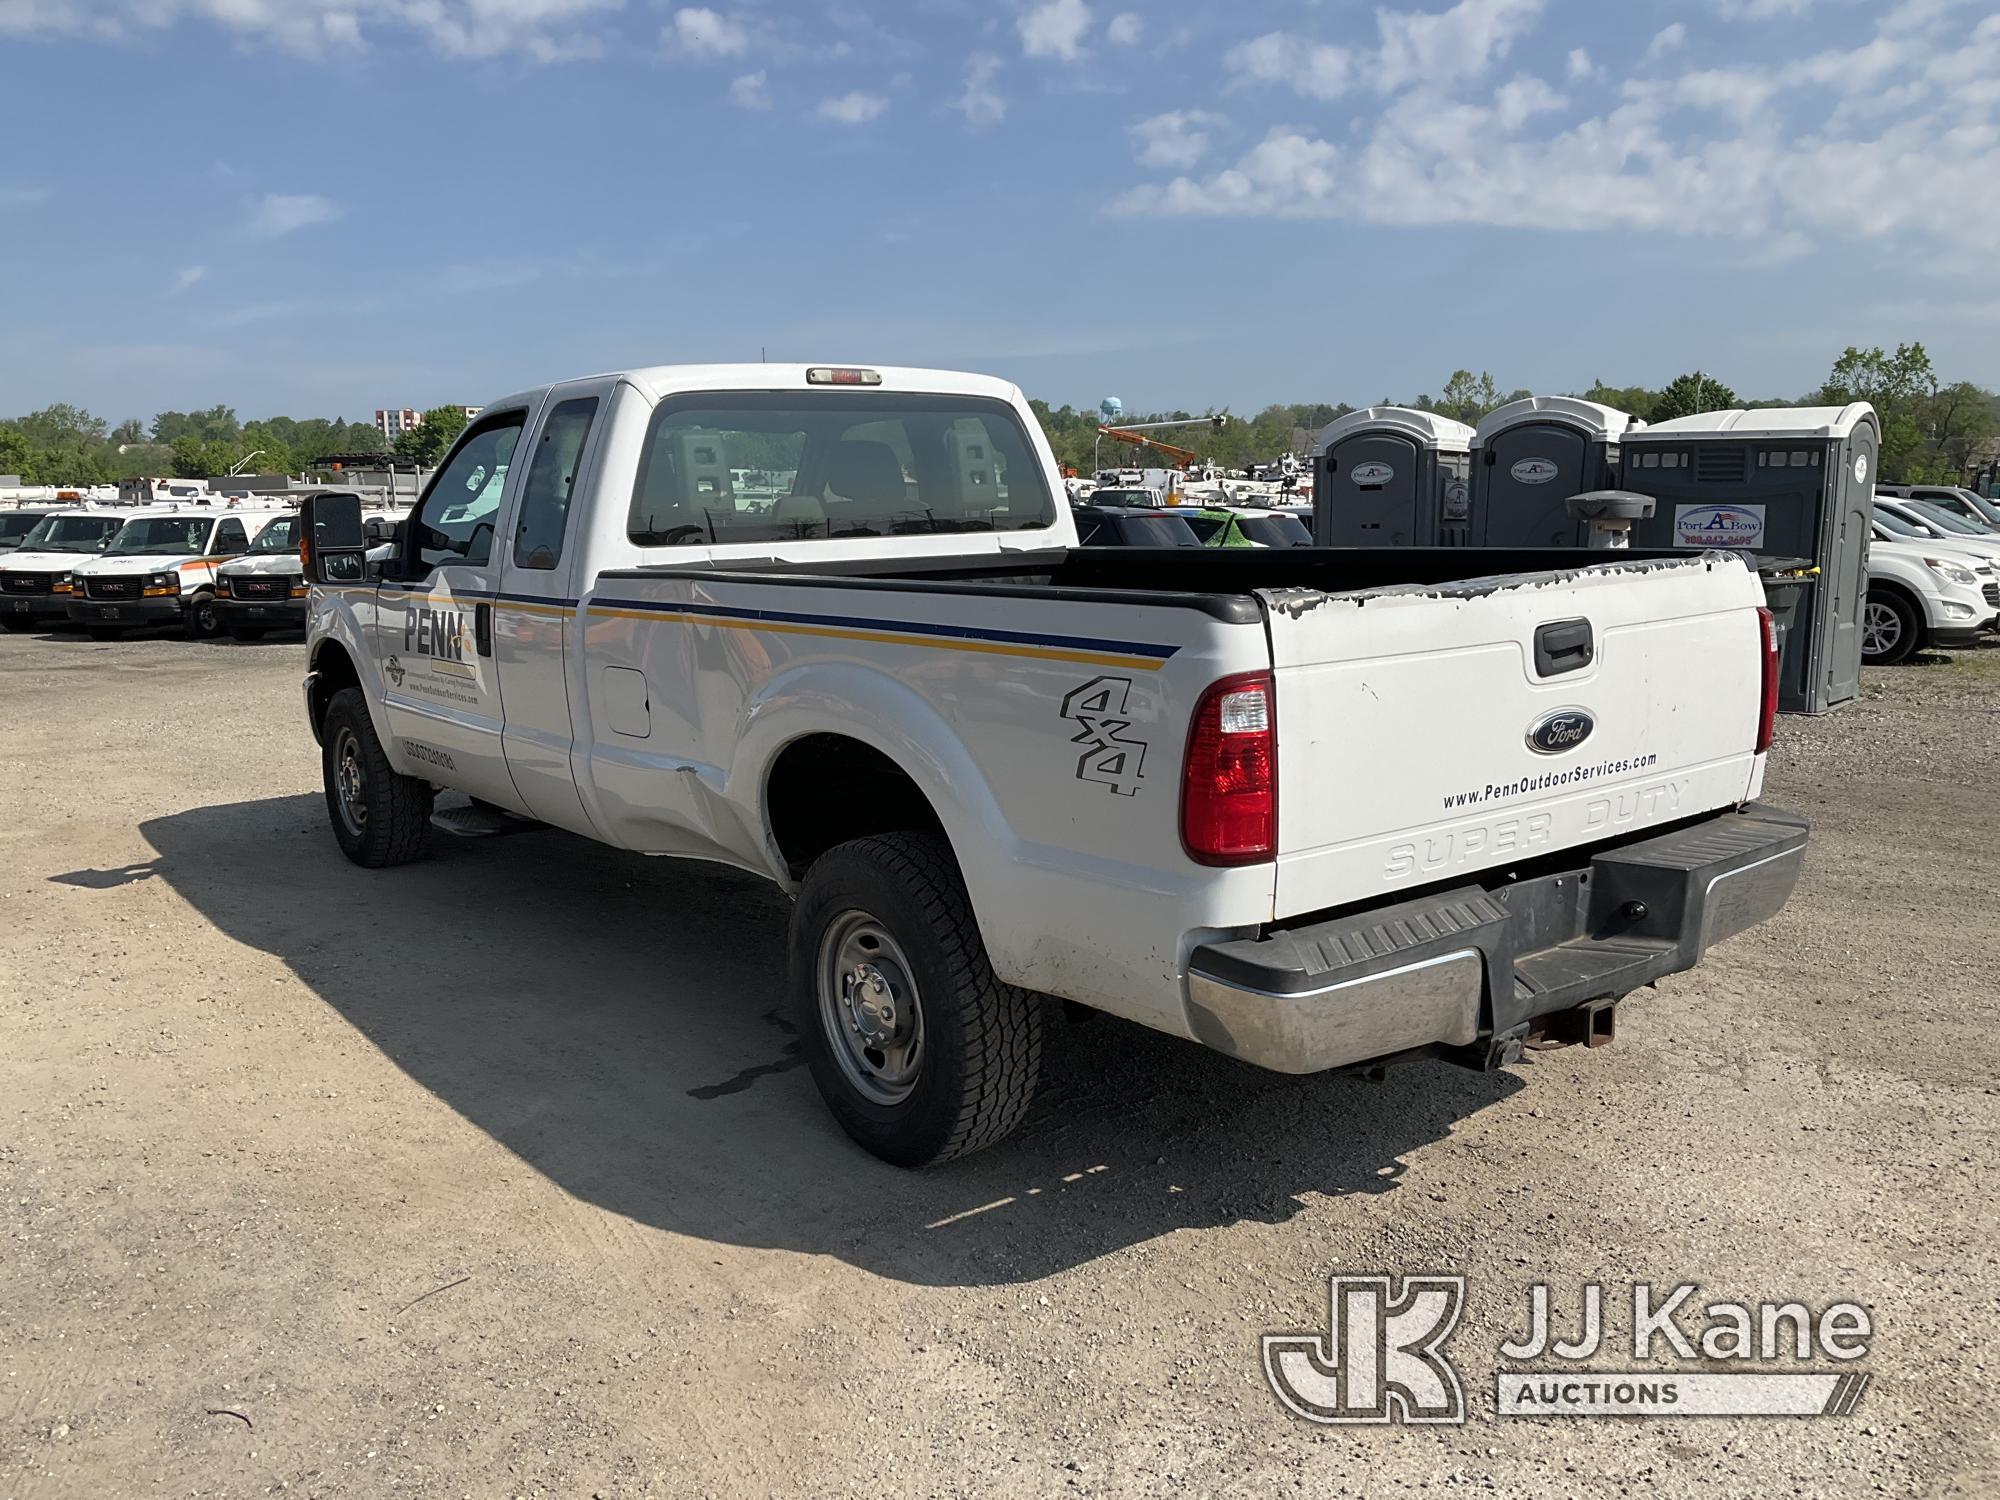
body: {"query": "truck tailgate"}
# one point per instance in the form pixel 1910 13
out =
pixel 1423 737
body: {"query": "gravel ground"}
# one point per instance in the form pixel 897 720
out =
pixel 495 1175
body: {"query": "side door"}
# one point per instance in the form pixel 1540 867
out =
pixel 434 617
pixel 534 627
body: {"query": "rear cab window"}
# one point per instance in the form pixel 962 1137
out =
pixel 749 466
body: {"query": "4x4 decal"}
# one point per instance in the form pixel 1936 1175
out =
pixel 1112 757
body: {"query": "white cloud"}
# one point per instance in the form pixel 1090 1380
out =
pixel 979 101
pixel 1760 10
pixel 1520 99
pixel 751 91
pixel 1424 48
pixel 705 35
pixel 1317 70
pixel 1780 159
pixel 1054 28
pixel 281 213
pixel 857 108
pixel 1124 29
pixel 186 277
pixel 1666 39
pixel 544 30
pixel 1579 64
pixel 1178 138
pixel 489 276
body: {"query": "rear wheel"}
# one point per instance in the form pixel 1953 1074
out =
pixel 202 618
pixel 920 1051
pixel 1890 629
pixel 380 816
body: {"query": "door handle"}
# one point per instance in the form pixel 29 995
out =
pixel 482 628
pixel 1563 646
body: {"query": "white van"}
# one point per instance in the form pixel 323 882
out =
pixel 160 568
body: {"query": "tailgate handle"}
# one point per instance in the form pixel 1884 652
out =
pixel 1563 646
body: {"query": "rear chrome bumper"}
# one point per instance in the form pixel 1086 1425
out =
pixel 1451 969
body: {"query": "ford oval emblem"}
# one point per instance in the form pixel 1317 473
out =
pixel 1562 730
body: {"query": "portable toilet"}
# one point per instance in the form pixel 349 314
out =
pixel 1391 476
pixel 1530 456
pixel 1788 483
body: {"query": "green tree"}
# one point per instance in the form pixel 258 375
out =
pixel 427 442
pixel 1635 399
pixel 1688 394
pixel 200 458
pixel 1902 387
pixel 1466 397
pixel 17 454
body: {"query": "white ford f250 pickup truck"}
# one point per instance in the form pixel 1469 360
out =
pixel 1311 808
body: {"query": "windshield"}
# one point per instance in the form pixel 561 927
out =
pixel 282 535
pixel 751 466
pixel 1946 520
pixel 159 536
pixel 70 534
pixel 1275 531
pixel 1159 531
pixel 1896 523
pixel 17 524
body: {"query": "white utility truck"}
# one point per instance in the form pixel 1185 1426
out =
pixel 159 568
pixel 1314 809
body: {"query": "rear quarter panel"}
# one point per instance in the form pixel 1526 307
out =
pixel 1047 735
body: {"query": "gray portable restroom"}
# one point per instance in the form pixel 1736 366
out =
pixel 1529 457
pixel 1391 476
pixel 1795 482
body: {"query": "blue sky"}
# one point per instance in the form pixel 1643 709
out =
pixel 325 206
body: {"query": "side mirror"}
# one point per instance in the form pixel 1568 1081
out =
pixel 333 544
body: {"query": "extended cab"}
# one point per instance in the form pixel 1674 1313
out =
pixel 159 568
pixel 1311 808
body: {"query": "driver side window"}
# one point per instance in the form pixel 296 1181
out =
pixel 456 522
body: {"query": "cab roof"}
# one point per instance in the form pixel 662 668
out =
pixel 659 381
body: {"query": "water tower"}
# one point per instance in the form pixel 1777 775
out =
pixel 1111 410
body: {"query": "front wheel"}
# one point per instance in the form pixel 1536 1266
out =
pixel 918 1048
pixel 203 619
pixel 1890 630
pixel 380 816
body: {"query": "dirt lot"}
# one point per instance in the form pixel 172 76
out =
pixel 256 1104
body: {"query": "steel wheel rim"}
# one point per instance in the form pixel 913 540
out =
pixel 350 782
pixel 1881 629
pixel 869 1008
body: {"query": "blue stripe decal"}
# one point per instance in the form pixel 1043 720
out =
pixel 839 622
pixel 898 627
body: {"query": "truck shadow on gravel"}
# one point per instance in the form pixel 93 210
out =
pixel 618 1023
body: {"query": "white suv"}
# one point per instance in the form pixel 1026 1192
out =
pixel 1923 591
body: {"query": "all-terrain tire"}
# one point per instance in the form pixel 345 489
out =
pixel 380 817
pixel 982 1039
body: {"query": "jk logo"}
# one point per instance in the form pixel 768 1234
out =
pixel 1381 1359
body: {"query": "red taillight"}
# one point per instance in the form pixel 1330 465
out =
pixel 1767 711
pixel 1229 781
